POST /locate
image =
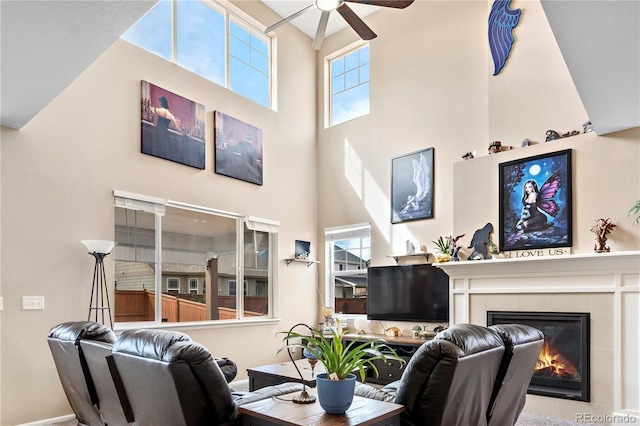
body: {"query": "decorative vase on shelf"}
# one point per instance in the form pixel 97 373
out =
pixel 335 396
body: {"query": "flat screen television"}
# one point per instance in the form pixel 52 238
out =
pixel 418 293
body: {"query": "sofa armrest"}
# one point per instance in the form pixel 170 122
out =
pixel 241 398
pixel 228 367
pixel 386 394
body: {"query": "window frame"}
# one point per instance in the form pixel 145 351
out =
pixel 230 13
pixel 191 281
pixel 361 230
pixel 328 116
pixel 170 280
pixel 157 206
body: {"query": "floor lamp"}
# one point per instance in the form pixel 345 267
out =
pixel 99 291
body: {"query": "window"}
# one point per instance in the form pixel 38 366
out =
pixel 173 284
pixel 161 242
pixel 193 286
pixel 202 32
pixel 233 288
pixel 349 85
pixel 348 250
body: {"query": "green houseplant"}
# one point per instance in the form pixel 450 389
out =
pixel 635 210
pixel 443 246
pixel 340 360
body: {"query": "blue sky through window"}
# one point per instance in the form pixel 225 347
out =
pixel 350 85
pixel 200 46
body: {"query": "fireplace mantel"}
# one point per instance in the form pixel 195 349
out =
pixel 575 264
pixel 606 285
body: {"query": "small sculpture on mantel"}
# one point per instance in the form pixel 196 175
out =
pixel 479 242
pixel 602 228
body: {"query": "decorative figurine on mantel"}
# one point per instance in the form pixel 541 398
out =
pixel 602 228
pixel 496 146
pixel 481 238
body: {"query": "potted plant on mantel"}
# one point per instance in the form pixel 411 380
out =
pixel 336 386
pixel 443 246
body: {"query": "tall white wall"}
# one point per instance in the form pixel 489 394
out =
pixel 432 86
pixel 58 177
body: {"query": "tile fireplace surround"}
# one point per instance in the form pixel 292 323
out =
pixel 607 285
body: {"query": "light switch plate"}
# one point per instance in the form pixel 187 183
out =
pixel 32 302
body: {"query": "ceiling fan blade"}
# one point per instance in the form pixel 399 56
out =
pixel 287 19
pixel 356 23
pixel 322 28
pixel 398 4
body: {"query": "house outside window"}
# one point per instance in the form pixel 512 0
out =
pixel 193 285
pixel 349 85
pixel 159 243
pixel 348 250
pixel 215 42
pixel 173 284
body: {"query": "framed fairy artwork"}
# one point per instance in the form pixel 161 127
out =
pixel 535 202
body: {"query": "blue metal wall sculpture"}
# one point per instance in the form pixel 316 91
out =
pixel 502 21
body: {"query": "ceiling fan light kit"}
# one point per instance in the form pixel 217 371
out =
pixel 327 6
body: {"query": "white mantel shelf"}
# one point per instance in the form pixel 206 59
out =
pixel 574 264
pixel 607 285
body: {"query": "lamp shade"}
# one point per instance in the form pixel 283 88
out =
pixel 98 246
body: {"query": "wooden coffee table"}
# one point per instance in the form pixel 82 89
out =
pixel 274 374
pixel 281 411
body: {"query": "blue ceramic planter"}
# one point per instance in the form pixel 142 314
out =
pixel 335 396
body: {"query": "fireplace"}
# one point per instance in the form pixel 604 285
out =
pixel 563 363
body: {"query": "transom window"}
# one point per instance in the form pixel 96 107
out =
pixel 349 85
pixel 348 250
pixel 209 40
pixel 164 248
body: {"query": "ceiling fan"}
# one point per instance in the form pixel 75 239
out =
pixel 327 6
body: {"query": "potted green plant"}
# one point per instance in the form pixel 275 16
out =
pixel 493 250
pixel 443 246
pixel 340 360
pixel 416 330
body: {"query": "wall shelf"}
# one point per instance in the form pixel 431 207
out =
pixel 307 261
pixel 399 257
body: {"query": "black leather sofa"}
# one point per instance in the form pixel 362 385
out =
pixel 146 377
pixel 467 375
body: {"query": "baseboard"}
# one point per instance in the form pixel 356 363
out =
pixel 48 422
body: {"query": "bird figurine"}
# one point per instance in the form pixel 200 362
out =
pixel 502 21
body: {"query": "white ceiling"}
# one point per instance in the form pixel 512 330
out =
pixel 308 22
pixel 46 44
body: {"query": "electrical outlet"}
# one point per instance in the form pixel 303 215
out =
pixel 32 302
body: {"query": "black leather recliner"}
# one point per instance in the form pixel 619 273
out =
pixel 82 351
pixel 449 380
pixel 171 380
pixel 64 342
pixel 522 348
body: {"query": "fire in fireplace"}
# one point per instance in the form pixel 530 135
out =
pixel 562 370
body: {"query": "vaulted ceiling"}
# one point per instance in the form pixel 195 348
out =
pixel 46 44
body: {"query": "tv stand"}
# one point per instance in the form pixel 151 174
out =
pixel 391 370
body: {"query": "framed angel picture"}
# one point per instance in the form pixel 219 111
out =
pixel 412 186
pixel 535 202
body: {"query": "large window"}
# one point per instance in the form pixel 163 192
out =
pixel 348 250
pixel 163 248
pixel 208 40
pixel 349 85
